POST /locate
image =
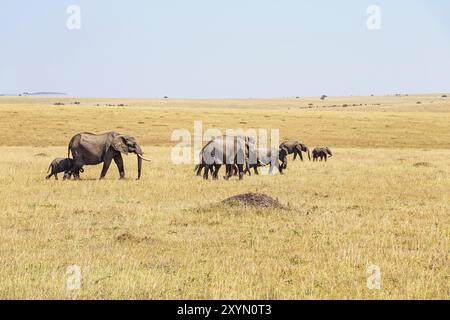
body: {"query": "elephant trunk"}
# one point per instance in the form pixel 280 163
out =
pixel 139 154
pixel 139 159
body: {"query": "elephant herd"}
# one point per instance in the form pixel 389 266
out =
pixel 239 154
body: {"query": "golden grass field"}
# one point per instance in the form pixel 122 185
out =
pixel 383 199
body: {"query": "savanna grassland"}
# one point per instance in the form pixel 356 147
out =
pixel 383 200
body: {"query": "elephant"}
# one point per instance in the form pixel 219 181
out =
pixel 224 150
pixel 265 157
pixel 62 165
pixel 322 153
pixel 296 148
pixel 93 149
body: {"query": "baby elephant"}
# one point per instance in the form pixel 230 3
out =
pixel 322 153
pixel 62 165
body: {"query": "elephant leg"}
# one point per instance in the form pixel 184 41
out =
pixel 119 162
pixel 295 155
pixel 205 173
pixel 300 154
pixel 228 171
pixel 247 170
pixel 56 176
pixel 207 170
pixel 49 176
pixel 272 165
pixel 211 171
pixel 105 169
pixel 326 158
pixel 215 173
pixel 76 168
pixel 241 171
pixel 280 168
pixel 199 170
pixel 255 168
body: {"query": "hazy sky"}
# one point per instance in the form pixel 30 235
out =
pixel 228 48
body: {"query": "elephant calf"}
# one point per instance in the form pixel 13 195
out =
pixel 296 148
pixel 62 165
pixel 321 153
pixel 262 157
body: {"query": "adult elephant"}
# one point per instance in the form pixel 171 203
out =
pixel 93 149
pixel 224 150
pixel 296 148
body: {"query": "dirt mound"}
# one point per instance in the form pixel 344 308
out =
pixel 423 164
pixel 257 200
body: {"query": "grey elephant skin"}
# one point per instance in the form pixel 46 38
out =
pixel 296 148
pixel 230 151
pixel 93 149
pixel 202 164
pixel 265 157
pixel 321 153
pixel 62 165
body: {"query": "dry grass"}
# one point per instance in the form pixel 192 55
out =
pixel 167 236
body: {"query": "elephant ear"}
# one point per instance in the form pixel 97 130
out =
pixel 118 144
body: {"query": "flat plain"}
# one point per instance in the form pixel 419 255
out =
pixel 381 200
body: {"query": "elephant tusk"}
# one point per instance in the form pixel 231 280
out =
pixel 148 160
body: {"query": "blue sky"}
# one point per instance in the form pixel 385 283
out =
pixel 224 49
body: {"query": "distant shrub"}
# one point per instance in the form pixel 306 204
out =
pixel 444 96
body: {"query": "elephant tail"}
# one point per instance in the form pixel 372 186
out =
pixel 70 147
